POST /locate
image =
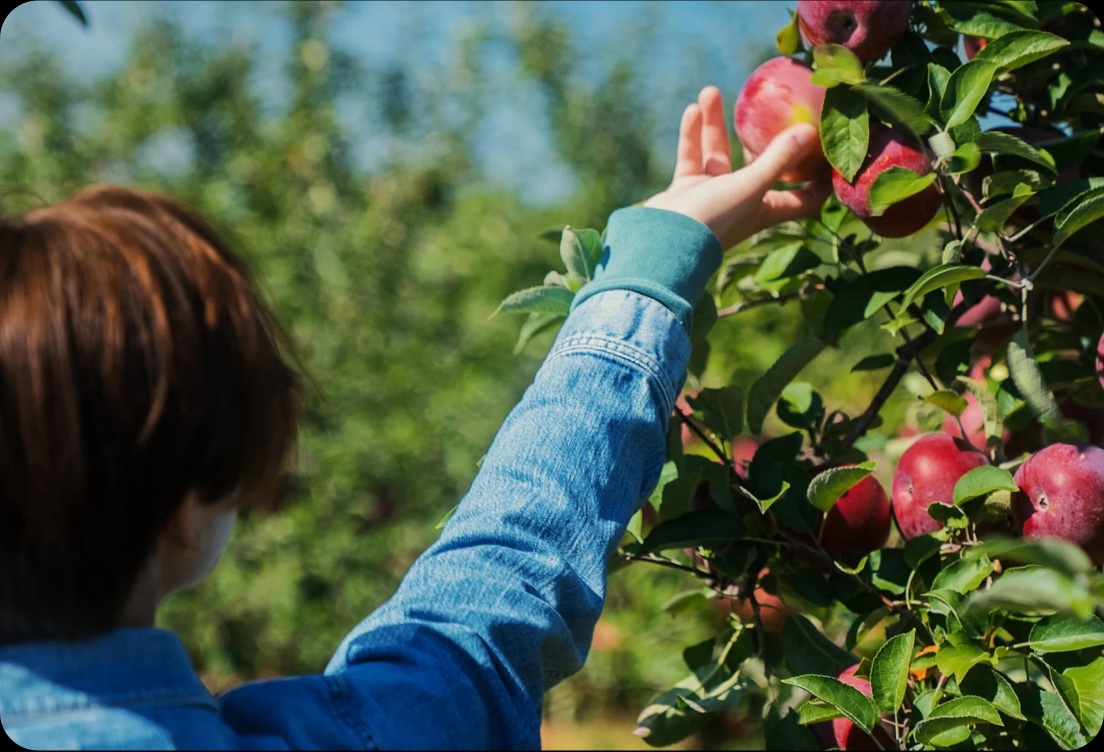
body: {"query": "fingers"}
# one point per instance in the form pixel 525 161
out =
pixel 716 151
pixel 787 149
pixel 784 206
pixel 688 160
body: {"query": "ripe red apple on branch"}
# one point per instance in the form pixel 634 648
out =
pixel 777 95
pixel 867 27
pixel 887 149
pixel 1062 496
pixel 859 521
pixel 926 474
pixel 849 737
pixel 1100 360
pixel 773 612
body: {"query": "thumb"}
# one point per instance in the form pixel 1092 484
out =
pixel 784 151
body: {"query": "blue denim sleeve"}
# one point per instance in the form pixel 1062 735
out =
pixel 504 604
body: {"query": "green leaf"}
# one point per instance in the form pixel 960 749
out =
pixel 788 261
pixel 1061 634
pixel 948 401
pixel 944 725
pixel 987 402
pixel 938 78
pixel 1063 195
pixel 1012 182
pixel 896 107
pixel 836 64
pixel 828 486
pixel 722 410
pixel 848 700
pixel 982 19
pixel 993 217
pixel 845 130
pixel 982 481
pixel 1053 553
pixel 800 406
pixel 957 660
pixel 997 141
pixel 1029 381
pixel 807 650
pixel 874 362
pixel 670 718
pixel 1019 48
pixel 786 732
pixel 986 683
pixel 1088 683
pixel 965 158
pixel 1078 214
pixel 788 38
pixel 1033 590
pixel 966 88
pixel 74 9
pixel 859 299
pixel 889 671
pixel 939 277
pixel 964 575
pixel 816 711
pixel 543 299
pixel 1048 710
pixel 895 185
pixel 592 246
pixel 768 387
pixel 574 256
pixel 694 529
pixel 535 324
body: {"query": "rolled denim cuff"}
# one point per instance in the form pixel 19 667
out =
pixel 659 253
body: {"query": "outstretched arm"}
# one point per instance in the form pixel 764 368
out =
pixel 504 604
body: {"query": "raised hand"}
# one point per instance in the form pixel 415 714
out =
pixel 736 205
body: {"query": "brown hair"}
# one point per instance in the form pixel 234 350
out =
pixel 137 363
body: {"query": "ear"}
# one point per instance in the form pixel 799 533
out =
pixel 183 531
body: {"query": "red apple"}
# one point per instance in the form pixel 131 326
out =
pixel 847 736
pixel 777 95
pixel 973 45
pixel 867 27
pixel 1062 496
pixel 743 450
pixel 772 611
pixel 1100 360
pixel 926 474
pixel 985 310
pixel 1064 304
pixel 859 521
pixel 887 149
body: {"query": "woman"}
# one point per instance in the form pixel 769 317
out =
pixel 144 400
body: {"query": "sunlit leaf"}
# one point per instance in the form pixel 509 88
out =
pixel 845 130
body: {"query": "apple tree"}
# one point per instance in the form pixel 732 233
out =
pixel 935 583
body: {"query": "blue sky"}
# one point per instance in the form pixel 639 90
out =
pixel 699 43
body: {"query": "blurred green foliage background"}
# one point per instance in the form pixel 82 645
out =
pixel 385 271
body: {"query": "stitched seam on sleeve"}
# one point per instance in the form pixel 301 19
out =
pixel 603 346
pixel 339 694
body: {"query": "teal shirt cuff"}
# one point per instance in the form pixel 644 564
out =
pixel 659 253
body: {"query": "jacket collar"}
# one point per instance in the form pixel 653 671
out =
pixel 122 667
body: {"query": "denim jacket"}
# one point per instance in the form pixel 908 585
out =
pixel 500 608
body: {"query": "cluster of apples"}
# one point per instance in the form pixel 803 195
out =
pixel 779 93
